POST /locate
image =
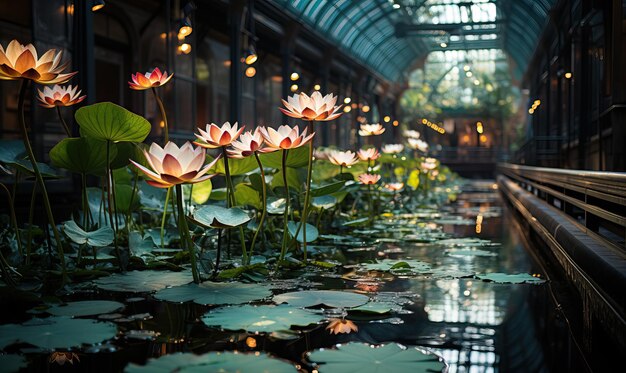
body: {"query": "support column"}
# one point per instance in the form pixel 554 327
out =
pixel 287 50
pixel 83 52
pixel 235 13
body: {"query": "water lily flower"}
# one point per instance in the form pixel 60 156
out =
pixel 320 153
pixel 248 143
pixel 337 326
pixel 429 164
pixel 149 80
pixel 285 137
pixel 371 129
pixel 394 187
pixel 392 148
pixel 217 137
pixel 172 165
pixel 312 108
pixel 411 134
pixel 21 62
pixel 370 154
pixel 59 96
pixel 418 144
pixel 61 357
pixel 343 159
pixel 369 179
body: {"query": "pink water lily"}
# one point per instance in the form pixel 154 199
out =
pixel 394 187
pixel 392 148
pixel 411 134
pixel 371 129
pixel 370 154
pixel 429 164
pixel 341 326
pixel 172 165
pixel 343 159
pixel 215 136
pixel 153 79
pixel 369 179
pixel 418 144
pixel 59 96
pixel 312 108
pixel 285 137
pixel 248 143
pixel 21 62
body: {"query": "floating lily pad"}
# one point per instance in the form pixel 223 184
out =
pixel 375 307
pixel 275 205
pixel 220 217
pixel 503 278
pixel 85 308
pixel 98 238
pixel 12 363
pixel 359 357
pixel 330 298
pixel 398 265
pixel 325 202
pixel 215 293
pixel 450 273
pixel 226 362
pixel 466 242
pixel 260 318
pixel 143 281
pixel 57 332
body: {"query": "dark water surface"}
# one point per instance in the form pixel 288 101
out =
pixel 476 326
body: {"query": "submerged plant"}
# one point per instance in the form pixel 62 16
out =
pixel 311 109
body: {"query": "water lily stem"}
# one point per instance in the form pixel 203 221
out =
pixel 31 214
pixel 65 127
pixel 163 115
pixel 371 203
pixel 39 178
pixel 109 187
pixel 264 197
pixel 219 253
pixel 283 249
pixel 184 234
pixel 163 217
pixel 307 196
pixel 13 219
pixel 232 203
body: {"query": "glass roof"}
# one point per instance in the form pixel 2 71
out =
pixel 389 36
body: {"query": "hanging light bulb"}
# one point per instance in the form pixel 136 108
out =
pixel 317 87
pixel 250 71
pixel 294 76
pixel 294 87
pixel 185 48
pixel 347 100
pixel 251 56
pixel 185 27
pixel 365 108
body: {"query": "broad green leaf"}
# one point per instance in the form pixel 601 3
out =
pixel 215 293
pixel 266 318
pixel 361 357
pixel 122 175
pixel 81 155
pixel 327 189
pixel 360 221
pixel 295 179
pixel 57 332
pixel 220 217
pixel 98 238
pixel 143 281
pixel 245 195
pixel 235 166
pixel 218 194
pixel 296 158
pixel 275 205
pixel 108 121
pixel 26 166
pixel 11 151
pixel 225 361
pixel 311 232
pixel 201 191
pixel 125 151
pixel 125 199
pixel 256 182
pixel 330 298
pixel 85 308
pixel 325 202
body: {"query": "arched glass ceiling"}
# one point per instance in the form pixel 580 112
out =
pixel 390 35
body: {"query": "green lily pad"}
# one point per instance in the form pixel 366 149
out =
pixel 327 189
pixel 225 362
pixel 375 307
pixel 356 222
pixel 466 242
pixel 296 158
pixel 12 363
pixel 398 265
pixel 295 179
pixel 108 121
pixel 201 191
pixel 260 318
pixel 275 206
pixel 248 196
pixel 82 155
pixel 330 298
pixel 469 252
pixel 220 217
pixel 44 169
pixel 11 151
pixel 85 308
pixel 325 202
pixel 503 278
pixel 360 357
pixel 98 238
pixel 235 166
pixel 215 293
pixel 311 232
pixel 57 332
pixel 143 281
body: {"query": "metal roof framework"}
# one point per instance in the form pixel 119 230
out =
pixel 388 36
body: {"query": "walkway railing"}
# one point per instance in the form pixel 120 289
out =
pixel 596 199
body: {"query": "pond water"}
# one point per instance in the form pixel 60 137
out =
pixel 423 277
